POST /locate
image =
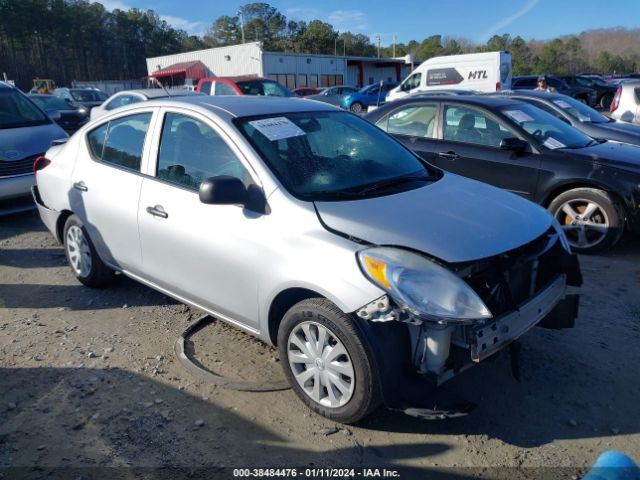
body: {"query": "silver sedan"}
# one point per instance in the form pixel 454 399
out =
pixel 377 276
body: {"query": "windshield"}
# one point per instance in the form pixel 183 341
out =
pixel 51 103
pixel 17 111
pixel 327 155
pixel 544 127
pixel 579 110
pixel 87 95
pixel 263 87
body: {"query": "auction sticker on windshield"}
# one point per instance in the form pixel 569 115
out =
pixel 552 143
pixel 562 104
pixel 519 116
pixel 277 128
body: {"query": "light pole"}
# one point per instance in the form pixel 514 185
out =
pixel 378 38
pixel 241 24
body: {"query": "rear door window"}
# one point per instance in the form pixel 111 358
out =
pixel 413 121
pixel 191 151
pixel 120 142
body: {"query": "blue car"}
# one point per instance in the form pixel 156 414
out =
pixel 370 95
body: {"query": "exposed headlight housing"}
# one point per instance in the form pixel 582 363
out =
pixel 426 289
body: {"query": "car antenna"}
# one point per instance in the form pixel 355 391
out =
pixel 161 85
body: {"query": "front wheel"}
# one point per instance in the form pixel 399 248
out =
pixel 356 107
pixel 87 266
pixel 590 218
pixel 328 362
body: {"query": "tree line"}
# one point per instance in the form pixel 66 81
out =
pixel 80 40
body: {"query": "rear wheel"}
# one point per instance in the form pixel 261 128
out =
pixel 590 218
pixel 327 361
pixel 83 259
pixel 356 107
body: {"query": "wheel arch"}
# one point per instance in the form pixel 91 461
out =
pixel 281 303
pixel 565 187
pixel 62 219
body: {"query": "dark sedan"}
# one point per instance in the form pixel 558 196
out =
pixel 529 82
pixel 579 116
pixel 69 117
pixel 604 91
pixel 591 186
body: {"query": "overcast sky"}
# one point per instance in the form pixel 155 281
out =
pixel 476 20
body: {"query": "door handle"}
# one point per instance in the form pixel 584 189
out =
pixel 449 155
pixel 157 211
pixel 80 186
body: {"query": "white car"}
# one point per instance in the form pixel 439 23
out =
pixel 626 104
pixel 316 231
pixel 129 97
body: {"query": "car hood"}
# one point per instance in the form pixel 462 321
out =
pixel 454 219
pixel 623 127
pixel 19 143
pixel 613 154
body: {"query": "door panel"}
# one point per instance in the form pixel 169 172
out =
pixel 106 187
pixel 204 253
pixel 471 147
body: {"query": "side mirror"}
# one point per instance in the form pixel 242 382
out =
pixel 514 144
pixel 223 190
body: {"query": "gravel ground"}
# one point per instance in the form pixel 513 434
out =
pixel 88 379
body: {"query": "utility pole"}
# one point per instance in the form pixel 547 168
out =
pixel 394 45
pixel 335 47
pixel 241 24
pixel 378 38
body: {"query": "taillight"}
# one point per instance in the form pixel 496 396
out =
pixel 616 100
pixel 40 163
pixel 498 86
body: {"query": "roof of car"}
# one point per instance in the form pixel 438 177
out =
pixel 247 105
pixel 480 100
pixel 5 86
pixel 150 93
pixel 527 93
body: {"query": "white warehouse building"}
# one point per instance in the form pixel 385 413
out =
pixel 289 69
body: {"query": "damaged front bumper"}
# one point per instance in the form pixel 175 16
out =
pixel 416 356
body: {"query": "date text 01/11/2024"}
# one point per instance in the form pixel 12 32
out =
pixel 316 472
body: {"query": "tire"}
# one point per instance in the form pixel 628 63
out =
pixel 83 259
pixel 605 101
pixel 356 107
pixel 353 365
pixel 600 230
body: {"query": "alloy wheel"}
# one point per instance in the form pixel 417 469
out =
pixel 585 223
pixel 78 251
pixel 321 364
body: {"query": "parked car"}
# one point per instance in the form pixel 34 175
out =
pixel 530 82
pixel 333 95
pixel 626 102
pixel 26 132
pixel 81 97
pixel 604 91
pixel 482 72
pixel 446 92
pixel 242 86
pixel 68 117
pixel 128 97
pixel 580 116
pixel 374 94
pixel 376 275
pixel 305 91
pixel 590 186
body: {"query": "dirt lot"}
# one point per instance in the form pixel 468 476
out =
pixel 88 379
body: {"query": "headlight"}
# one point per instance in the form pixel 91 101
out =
pixel 422 286
pixel 563 236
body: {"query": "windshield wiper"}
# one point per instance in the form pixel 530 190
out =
pixel 390 182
